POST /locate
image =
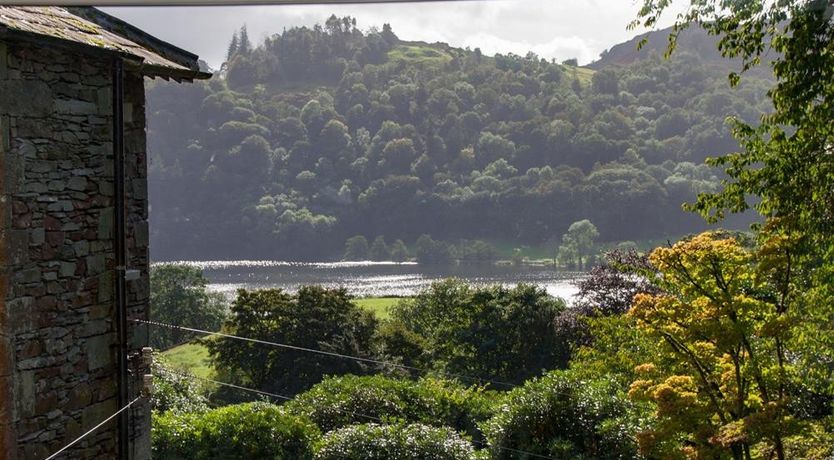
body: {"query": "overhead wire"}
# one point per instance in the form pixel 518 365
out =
pixel 325 353
pixel 269 394
pixel 93 429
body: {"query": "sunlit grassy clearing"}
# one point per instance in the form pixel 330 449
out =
pixel 419 53
pixel 582 74
pixel 191 356
pixel 380 306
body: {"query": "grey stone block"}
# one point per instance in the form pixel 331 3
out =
pixel 31 275
pixel 77 183
pixel 37 236
pixel 82 248
pixel 67 269
pixel 98 352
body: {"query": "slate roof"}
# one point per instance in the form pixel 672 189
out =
pixel 97 31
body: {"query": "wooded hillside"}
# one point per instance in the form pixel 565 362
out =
pixel 319 134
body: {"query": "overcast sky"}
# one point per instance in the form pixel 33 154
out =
pixel 559 29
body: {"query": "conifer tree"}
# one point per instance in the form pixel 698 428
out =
pixel 233 47
pixel 245 46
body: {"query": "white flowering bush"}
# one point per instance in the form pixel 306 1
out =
pixel 402 442
pixel 337 402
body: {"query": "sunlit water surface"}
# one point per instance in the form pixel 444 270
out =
pixel 374 279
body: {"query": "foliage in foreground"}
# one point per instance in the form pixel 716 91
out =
pixel 565 416
pixel 175 390
pixel 338 402
pixel 402 442
pixel 251 431
pixel 785 170
pixel 724 323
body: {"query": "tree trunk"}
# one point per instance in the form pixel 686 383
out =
pixel 779 447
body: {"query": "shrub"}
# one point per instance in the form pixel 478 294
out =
pixel 174 390
pixel 337 402
pixel 401 442
pixel 251 431
pixel 563 416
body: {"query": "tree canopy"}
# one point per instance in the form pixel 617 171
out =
pixel 327 132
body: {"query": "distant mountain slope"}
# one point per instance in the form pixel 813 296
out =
pixel 692 40
pixel 319 134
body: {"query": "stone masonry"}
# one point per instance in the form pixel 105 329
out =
pixel 58 340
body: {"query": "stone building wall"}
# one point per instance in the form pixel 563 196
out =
pixel 58 340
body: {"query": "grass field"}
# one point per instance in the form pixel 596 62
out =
pixel 380 306
pixel 582 74
pixel 419 53
pixel 193 357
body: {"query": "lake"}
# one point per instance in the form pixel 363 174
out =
pixel 374 279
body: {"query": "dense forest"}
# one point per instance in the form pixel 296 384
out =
pixel 320 134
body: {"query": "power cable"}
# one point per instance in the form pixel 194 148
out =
pixel 266 393
pixel 93 429
pixel 325 353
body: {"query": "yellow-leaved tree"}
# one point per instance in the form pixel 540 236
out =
pixel 722 382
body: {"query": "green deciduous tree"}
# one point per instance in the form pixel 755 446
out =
pixel 399 252
pixel 580 239
pixel 379 250
pixel 356 248
pixel 493 332
pixel 429 251
pixel 398 155
pixel 785 161
pixel 314 317
pixel 179 296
